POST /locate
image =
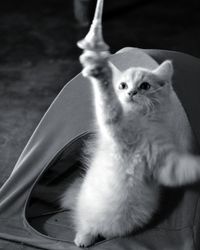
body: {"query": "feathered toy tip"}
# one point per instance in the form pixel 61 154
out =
pixel 94 38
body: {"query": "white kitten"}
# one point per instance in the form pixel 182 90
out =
pixel 143 141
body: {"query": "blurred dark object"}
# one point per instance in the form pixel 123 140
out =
pixel 82 11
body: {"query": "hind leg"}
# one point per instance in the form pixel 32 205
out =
pixel 84 239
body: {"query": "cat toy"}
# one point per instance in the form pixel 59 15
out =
pixel 94 41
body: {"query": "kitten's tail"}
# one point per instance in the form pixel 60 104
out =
pixel 179 170
pixel 69 197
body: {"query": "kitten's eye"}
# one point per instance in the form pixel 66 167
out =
pixel 144 86
pixel 123 85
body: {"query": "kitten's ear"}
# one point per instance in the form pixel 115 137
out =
pixel 165 71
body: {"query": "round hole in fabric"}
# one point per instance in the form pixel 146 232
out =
pixel 43 211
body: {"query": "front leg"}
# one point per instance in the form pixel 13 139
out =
pixel 97 68
pixel 178 169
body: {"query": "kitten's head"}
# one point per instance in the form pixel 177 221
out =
pixel 143 90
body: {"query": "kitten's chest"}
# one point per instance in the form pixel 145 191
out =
pixel 119 177
pixel 124 166
pixel 134 169
pixel 117 167
pixel 127 182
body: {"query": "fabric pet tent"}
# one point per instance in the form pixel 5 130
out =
pixel 51 160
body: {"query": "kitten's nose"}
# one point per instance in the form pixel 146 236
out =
pixel 132 92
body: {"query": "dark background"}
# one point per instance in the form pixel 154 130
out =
pixel 38 52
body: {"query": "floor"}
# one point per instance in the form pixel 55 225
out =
pixel 38 53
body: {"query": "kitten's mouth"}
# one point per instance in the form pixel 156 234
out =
pixel 131 99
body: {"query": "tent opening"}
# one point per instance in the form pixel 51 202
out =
pixel 43 211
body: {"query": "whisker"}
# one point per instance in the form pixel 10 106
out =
pixel 156 90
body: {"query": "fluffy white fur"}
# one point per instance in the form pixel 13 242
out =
pixel 143 140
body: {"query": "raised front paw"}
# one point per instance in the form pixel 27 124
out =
pixel 91 57
pixel 84 240
pixel 95 64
